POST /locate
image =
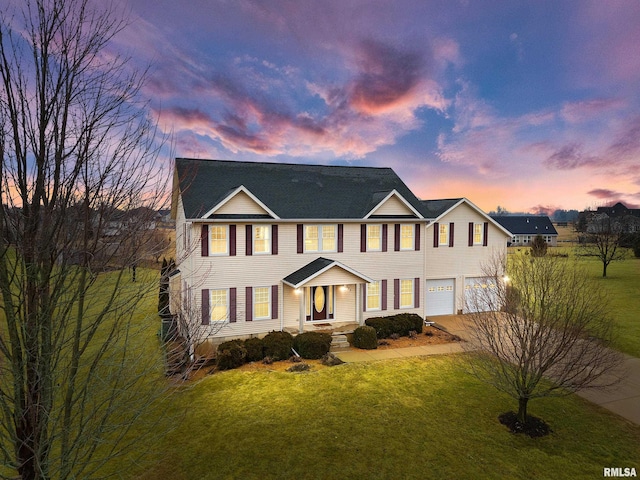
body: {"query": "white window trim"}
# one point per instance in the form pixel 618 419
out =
pixel 410 305
pixel 446 242
pixel 379 249
pixel 211 252
pixel 481 242
pixel 371 309
pixel 212 305
pixel 268 239
pixel 320 227
pixel 413 238
pixel 255 317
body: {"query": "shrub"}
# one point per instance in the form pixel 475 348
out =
pixel 400 324
pixel 312 345
pixel 277 345
pixel 231 354
pixel 255 349
pixel 365 337
pixel 538 246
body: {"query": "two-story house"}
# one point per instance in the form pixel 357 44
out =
pixel 270 246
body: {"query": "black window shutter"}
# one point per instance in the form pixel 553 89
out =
pixel 485 240
pixel 232 305
pixel 396 293
pixel 204 241
pixel 451 237
pixel 274 239
pixel 471 234
pixel 385 233
pixel 205 307
pixel 300 238
pixel 396 241
pixel 340 237
pixel 249 237
pixel 383 288
pixel 417 237
pixel 274 301
pixel 363 238
pixel 436 233
pixel 416 292
pixel 249 304
pixel 232 240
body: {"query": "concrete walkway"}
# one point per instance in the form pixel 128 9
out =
pixel 622 399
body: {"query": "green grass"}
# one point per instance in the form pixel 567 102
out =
pixel 622 285
pixel 413 418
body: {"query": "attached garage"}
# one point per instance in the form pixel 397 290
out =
pixel 440 297
pixel 480 294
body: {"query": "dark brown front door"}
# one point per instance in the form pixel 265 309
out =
pixel 319 303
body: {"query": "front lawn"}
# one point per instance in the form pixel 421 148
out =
pixel 411 418
pixel 622 285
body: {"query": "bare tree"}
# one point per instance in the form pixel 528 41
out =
pixel 604 239
pixel 77 153
pixel 547 332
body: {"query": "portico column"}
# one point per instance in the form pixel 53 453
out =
pixel 302 309
pixel 358 301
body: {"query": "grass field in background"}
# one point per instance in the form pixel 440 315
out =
pixel 412 418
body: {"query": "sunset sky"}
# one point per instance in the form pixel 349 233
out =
pixel 518 104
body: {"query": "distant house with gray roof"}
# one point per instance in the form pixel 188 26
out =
pixel 270 246
pixel 524 228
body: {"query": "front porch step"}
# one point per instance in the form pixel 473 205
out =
pixel 339 341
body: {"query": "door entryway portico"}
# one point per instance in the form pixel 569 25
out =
pixel 328 291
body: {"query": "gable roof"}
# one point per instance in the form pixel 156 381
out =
pixel 317 267
pixel 435 208
pixel 526 224
pixel 290 191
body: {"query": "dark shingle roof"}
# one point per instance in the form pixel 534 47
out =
pixel 290 191
pixel 435 208
pixel 526 224
pixel 310 270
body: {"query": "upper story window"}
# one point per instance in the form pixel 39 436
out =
pixel 218 239
pixel 478 233
pixel 261 239
pixel 374 237
pixel 406 237
pixel 320 238
pixel 443 234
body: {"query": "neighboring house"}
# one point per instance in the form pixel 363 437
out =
pixel 627 219
pixel 268 246
pixel 524 228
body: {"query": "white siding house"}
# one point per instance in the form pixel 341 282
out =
pixel 264 246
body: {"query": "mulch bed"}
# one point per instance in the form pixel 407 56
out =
pixel 533 427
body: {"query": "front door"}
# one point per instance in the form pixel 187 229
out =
pixel 319 300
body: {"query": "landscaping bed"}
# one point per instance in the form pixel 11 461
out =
pixel 429 336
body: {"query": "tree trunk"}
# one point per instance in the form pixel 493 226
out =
pixel 604 269
pixel 522 410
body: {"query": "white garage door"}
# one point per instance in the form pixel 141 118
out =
pixel 480 294
pixel 440 299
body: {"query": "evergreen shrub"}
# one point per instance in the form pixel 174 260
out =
pixel 277 345
pixel 312 345
pixel 365 337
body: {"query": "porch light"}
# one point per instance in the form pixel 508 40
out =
pixel 344 288
pixel 506 279
pixel 298 291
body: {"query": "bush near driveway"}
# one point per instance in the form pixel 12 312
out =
pixel 312 345
pixel 400 324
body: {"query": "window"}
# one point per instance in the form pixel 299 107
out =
pixel 443 237
pixel 219 305
pixel 373 296
pixel 406 293
pixel 320 238
pixel 374 238
pixel 406 237
pixel 478 233
pixel 261 239
pixel 218 239
pixel 261 303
